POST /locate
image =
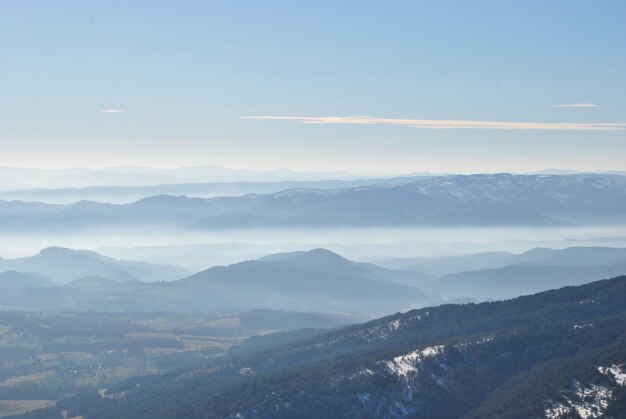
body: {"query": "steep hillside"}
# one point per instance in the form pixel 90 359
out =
pixel 445 362
pixel 587 385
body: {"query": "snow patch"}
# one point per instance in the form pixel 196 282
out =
pixel 480 341
pixel 404 365
pixel 615 371
pixel 246 371
pixel 362 373
pixel 589 401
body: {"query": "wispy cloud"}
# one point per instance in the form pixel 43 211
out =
pixel 111 111
pixel 577 105
pixel 446 123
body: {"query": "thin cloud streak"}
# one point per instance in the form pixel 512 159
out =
pixel 111 111
pixel 578 105
pixel 446 123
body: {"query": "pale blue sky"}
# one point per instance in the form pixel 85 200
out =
pixel 185 73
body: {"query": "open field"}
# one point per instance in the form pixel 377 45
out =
pixel 16 407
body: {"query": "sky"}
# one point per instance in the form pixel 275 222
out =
pixel 363 86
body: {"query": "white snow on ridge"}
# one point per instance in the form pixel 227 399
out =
pixel 589 401
pixel 404 365
pixel 246 371
pixel 379 332
pixel 431 351
pixel 615 371
pixel 476 342
pixel 363 373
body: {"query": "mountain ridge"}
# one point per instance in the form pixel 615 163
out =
pixel 295 283
pixel 441 361
pixel 63 265
pixel 477 200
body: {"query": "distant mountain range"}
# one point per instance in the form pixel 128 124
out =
pixel 557 354
pixel 313 280
pixel 26 178
pixel 477 200
pixel 440 201
pixel 571 256
pixel 502 275
pixel 128 194
pixel 61 266
pixel 19 178
pixel 317 280
pixel 512 281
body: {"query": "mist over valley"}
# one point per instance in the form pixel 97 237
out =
pixel 312 210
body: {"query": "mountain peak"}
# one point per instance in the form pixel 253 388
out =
pixel 317 254
pixel 59 251
pixel 56 251
pixel 321 260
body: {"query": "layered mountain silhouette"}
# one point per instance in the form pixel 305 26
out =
pixel 512 281
pixel 510 275
pixel 317 280
pixel 127 194
pixel 571 256
pixel 63 265
pixel 438 201
pixel 21 178
pixel 476 200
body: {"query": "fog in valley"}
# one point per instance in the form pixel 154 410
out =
pixel 200 250
pixel 312 210
pixel 103 301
